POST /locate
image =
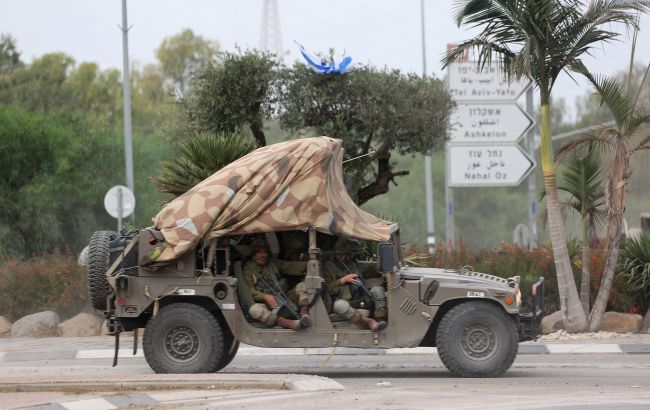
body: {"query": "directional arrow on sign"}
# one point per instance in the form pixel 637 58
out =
pixel 468 81
pixel 487 165
pixel 501 123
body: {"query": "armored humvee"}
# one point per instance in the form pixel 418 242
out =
pixel 181 279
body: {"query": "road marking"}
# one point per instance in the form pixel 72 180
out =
pixel 95 404
pixel 107 353
pixel 412 350
pixel 583 348
pixel 2 356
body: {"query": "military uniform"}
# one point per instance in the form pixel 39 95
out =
pixel 272 273
pixel 334 269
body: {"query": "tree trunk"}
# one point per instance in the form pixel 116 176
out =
pixel 385 175
pixel 615 199
pixel 575 318
pixel 585 282
pixel 260 139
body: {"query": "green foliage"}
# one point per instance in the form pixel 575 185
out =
pixel 51 281
pixel 370 109
pixel 9 55
pixel 229 94
pixel 540 38
pixel 201 156
pixel 634 267
pixel 182 54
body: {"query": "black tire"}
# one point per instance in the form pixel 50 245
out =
pixel 183 338
pixel 231 345
pixel 98 286
pixel 477 339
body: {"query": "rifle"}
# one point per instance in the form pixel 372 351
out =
pixel 285 307
pixel 361 284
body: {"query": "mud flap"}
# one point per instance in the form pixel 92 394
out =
pixel 530 323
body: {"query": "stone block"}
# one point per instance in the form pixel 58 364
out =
pixel 42 324
pixel 553 322
pixel 621 322
pixel 84 324
pixel 5 327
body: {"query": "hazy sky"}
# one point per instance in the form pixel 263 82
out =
pixel 380 32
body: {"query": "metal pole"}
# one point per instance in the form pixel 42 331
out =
pixel 428 180
pixel 532 182
pixel 450 229
pixel 120 208
pixel 126 87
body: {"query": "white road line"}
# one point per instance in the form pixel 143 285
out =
pixel 2 356
pixel 583 348
pixel 412 350
pixel 106 354
pixel 95 404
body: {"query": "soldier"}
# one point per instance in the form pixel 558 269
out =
pixel 341 274
pixel 264 268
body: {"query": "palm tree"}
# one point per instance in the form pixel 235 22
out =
pixel 201 156
pixel 582 181
pixel 628 136
pixel 540 39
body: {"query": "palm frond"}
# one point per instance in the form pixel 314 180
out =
pixel 201 156
pixel 610 91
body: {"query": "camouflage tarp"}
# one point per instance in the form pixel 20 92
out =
pixel 292 185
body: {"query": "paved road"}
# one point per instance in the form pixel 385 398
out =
pixel 384 381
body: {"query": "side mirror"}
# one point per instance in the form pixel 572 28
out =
pixel 387 260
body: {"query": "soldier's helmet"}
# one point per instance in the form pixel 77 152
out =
pixel 347 246
pixel 259 245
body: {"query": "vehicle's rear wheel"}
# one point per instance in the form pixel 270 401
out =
pixel 98 286
pixel 477 339
pixel 183 338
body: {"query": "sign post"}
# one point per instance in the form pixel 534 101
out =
pixel 487 165
pixel 486 127
pixel 119 202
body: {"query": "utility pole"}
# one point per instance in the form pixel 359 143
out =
pixel 126 89
pixel 428 182
pixel 532 183
pixel 270 35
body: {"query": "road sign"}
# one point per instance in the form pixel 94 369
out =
pixel 488 123
pixel 468 81
pixel 487 165
pixel 119 202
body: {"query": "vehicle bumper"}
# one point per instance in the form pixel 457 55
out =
pixel 530 323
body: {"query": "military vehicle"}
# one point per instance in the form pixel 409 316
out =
pixel 181 279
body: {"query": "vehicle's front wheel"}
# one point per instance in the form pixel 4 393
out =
pixel 183 338
pixel 231 346
pixel 477 339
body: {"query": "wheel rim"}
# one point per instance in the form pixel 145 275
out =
pixel 181 343
pixel 478 342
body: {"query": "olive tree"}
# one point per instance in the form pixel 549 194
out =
pixel 384 111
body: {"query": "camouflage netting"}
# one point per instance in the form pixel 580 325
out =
pixel 292 185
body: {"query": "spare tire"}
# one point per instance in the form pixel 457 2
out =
pixel 98 252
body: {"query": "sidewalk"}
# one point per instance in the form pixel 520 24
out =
pixel 101 347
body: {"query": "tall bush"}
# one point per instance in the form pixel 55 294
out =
pixel 51 281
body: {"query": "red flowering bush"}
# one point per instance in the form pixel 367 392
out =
pixel 47 282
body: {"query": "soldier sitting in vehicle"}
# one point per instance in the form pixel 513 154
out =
pixel 343 282
pixel 262 276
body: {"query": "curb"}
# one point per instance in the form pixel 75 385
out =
pixel 549 348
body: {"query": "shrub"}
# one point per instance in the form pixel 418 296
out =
pixel 634 269
pixel 47 282
pixel 512 260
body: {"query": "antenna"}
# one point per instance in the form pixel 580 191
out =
pixel 270 36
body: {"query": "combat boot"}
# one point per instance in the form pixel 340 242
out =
pixel 305 320
pixel 288 323
pixel 372 324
